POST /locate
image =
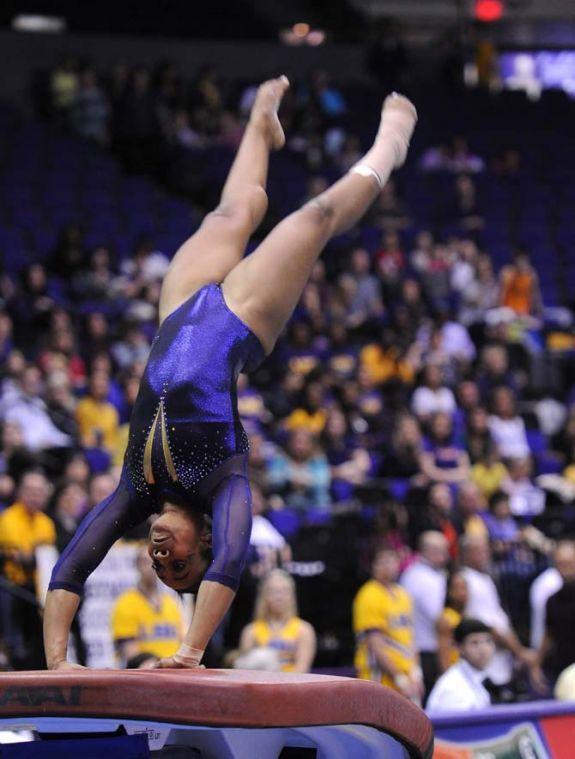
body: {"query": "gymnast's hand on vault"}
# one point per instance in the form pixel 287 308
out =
pixel 169 662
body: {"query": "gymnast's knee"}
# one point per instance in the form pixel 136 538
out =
pixel 245 210
pixel 320 213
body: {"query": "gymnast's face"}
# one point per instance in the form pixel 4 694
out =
pixel 175 547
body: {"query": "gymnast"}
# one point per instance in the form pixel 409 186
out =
pixel 220 314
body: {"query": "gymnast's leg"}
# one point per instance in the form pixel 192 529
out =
pixel 219 244
pixel 264 288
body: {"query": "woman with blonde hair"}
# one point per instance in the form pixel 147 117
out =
pixel 276 626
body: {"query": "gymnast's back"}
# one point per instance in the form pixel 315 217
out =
pixel 186 439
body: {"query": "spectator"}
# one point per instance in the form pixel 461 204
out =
pixel 403 456
pixel 466 212
pixel 565 686
pixel 101 486
pixel 455 340
pixel 251 404
pixel 277 626
pixel 526 500
pixel 494 371
pixel 520 287
pixel 480 295
pixel 146 619
pixel 97 336
pixel 70 505
pixel 434 268
pixel 471 510
pixel 478 439
pixel 137 126
pixel 14 457
pixel 430 397
pixel 436 158
pixel 442 460
pixel 383 360
pixel 461 687
pixel 270 546
pixel 63 87
pixel 77 469
pixel 383 626
pixel 366 305
pixel 506 427
pixel 488 472
pixel 428 350
pixel 435 515
pixel 390 261
pixel 557 650
pixel 33 310
pixel 6 336
pixel 25 407
pixel 425 582
pixel 502 527
pixel 350 463
pixel 134 347
pixel 61 403
pixel 455 602
pixel 94 283
pixel 484 604
pixel 89 112
pixel 463 161
pixel 68 256
pixel 546 585
pixel 23 528
pixel 302 474
pixel 391 213
pixel 302 356
pixel 412 300
pixel 310 413
pixel 98 420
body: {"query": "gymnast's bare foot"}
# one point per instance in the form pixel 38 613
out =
pixel 398 120
pixel 265 110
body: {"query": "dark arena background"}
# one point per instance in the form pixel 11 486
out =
pixel 409 588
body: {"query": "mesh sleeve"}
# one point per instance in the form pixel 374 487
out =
pixel 98 531
pixel 231 531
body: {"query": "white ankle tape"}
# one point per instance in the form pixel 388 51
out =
pixel 366 171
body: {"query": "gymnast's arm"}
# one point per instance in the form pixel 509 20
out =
pixel 231 531
pixel 59 612
pixel 99 530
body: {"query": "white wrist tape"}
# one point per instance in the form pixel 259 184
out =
pixel 417 673
pixel 401 680
pixel 188 656
pixel 366 171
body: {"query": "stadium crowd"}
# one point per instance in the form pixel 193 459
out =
pixel 406 394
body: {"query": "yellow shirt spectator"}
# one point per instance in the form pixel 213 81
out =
pixel 475 527
pixel 569 474
pixel 95 417
pixel 22 531
pixel 284 640
pixel 388 610
pixel 383 365
pixel 488 477
pixel 158 631
pixel 302 419
pixel 446 624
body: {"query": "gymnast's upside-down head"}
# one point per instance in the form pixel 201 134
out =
pixel 180 547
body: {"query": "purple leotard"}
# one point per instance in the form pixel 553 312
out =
pixel 186 445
